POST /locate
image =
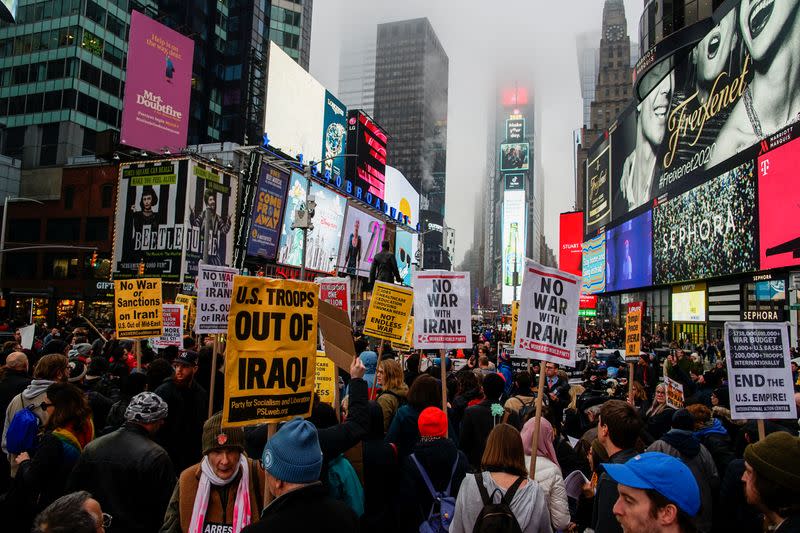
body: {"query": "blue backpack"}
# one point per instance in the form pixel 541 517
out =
pixel 438 519
pixel 23 431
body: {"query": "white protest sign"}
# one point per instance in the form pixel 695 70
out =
pixel 27 336
pixel 674 390
pixel 548 315
pixel 759 370
pixel 214 290
pixel 336 291
pixel 172 315
pixel 442 318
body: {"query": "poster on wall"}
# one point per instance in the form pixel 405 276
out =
pixel 155 107
pixel 708 231
pixel 334 136
pixel 598 187
pixel 778 202
pixel 689 303
pixel 629 252
pixel 361 241
pixel 403 254
pixel 267 211
pixel 149 225
pixel 514 156
pixel 594 265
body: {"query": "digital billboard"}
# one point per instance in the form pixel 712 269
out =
pixel 767 291
pixel 570 238
pixel 709 230
pixel 629 253
pixel 155 107
pixel 514 182
pixel 367 140
pixel 594 265
pixel 402 198
pixel 334 136
pixel 290 249
pixel 404 254
pixel 515 129
pixel 361 241
pixel 265 218
pixel 778 203
pixel 598 187
pixel 514 156
pixel 513 242
pixel 689 303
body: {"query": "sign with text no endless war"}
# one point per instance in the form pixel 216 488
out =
pixel 441 310
pixel 137 308
pixel 633 332
pixel 272 346
pixel 548 315
pixel 388 312
pixel 173 327
pixel 759 370
pixel 214 290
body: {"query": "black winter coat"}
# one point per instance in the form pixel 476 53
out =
pixel 130 475
pixel 13 383
pixel 475 428
pixel 384 268
pixel 182 435
pixel 309 509
pixel 603 519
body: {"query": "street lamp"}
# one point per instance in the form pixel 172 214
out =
pixel 3 228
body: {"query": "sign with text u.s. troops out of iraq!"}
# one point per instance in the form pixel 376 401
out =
pixel 271 354
pixel 214 290
pixel 388 312
pixel 137 308
pixel 759 370
pixel 548 315
pixel 442 310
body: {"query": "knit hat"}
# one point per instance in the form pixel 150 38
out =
pixel 293 453
pixel 682 419
pixel 432 422
pixel 216 437
pixel 81 350
pixel 76 370
pixel 146 407
pixel 776 458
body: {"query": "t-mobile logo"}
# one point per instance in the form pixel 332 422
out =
pixel 764 167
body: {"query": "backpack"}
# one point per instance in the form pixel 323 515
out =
pixel 527 410
pixel 344 485
pixel 438 521
pixel 497 517
pixel 23 431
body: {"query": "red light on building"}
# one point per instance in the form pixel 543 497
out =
pixel 515 96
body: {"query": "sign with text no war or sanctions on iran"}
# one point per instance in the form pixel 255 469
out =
pixel 548 315
pixel 214 291
pixel 271 354
pixel 388 312
pixel 759 370
pixel 441 310
pixel 137 308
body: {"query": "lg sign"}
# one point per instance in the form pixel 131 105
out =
pixel 570 239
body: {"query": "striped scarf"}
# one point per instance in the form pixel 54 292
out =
pixel 73 440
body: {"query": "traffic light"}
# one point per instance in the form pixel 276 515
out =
pixel 141 267
pixel 94 259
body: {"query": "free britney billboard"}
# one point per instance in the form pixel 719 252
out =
pixel 155 109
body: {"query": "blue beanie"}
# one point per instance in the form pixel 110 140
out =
pixel 293 453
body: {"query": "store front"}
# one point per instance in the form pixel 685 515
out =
pixel 689 304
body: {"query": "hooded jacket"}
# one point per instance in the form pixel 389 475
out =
pixel 34 394
pixel 529 506
pixel 716 439
pixel 548 475
pixel 389 401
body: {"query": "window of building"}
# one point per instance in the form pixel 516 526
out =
pixel 87 105
pixel 24 230
pixel 96 229
pixel 92 43
pixel 34 103
pixel 107 196
pixel 20 265
pixel 49 152
pixel 90 74
pixel 95 12
pixel 58 266
pixel 63 230
pixel 69 197
pixel 110 84
pixel 55 69
pixel 52 101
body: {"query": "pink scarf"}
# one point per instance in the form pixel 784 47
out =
pixel 241 508
pixel 544 447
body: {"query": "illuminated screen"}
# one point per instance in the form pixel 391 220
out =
pixel 629 246
pixel 513 241
pixel 514 156
pixel 367 140
pixel 361 241
pixel 594 265
pixel 570 239
pixel 779 202
pixel 689 306
pixel 770 290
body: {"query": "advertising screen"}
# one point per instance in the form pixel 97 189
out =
pixel 514 156
pixel 334 136
pixel 515 130
pixel 594 265
pixel 367 140
pixel 404 254
pixel 514 239
pixel 570 237
pixel 598 187
pixel 361 241
pixel 629 254
pixel 290 250
pixel 779 202
pixel 155 108
pixel 267 210
pixel 514 182
pixel 708 231
pixel 770 290
pixel 402 198
pixel 689 305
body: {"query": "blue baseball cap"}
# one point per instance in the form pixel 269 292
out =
pixel 662 473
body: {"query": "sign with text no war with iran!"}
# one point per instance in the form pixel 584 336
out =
pixel 137 308
pixel 272 346
pixel 441 310
pixel 214 291
pixel 548 315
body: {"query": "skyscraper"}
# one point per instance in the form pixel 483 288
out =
pixel 411 81
pixel 357 71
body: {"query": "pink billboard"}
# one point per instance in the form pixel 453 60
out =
pixel 155 110
pixel 779 207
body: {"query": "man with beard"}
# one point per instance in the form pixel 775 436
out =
pixel 212 228
pixel 188 409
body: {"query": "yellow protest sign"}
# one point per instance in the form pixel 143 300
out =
pixel 408 339
pixel 389 311
pixel 514 320
pixel 325 379
pixel 272 345
pixel 137 308
pixel 189 310
pixel 633 332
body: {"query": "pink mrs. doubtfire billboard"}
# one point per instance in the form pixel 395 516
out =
pixel 155 110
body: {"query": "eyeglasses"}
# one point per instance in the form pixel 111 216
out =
pixel 659 391
pixel 107 520
pixel 44 405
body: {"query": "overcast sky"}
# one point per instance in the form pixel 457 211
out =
pixel 537 36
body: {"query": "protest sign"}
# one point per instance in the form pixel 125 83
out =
pixel 173 327
pixel 408 340
pixel 633 332
pixel 189 310
pixel 759 370
pixel 27 334
pixel 441 310
pixel 514 319
pixel 334 325
pixel 336 291
pixel 137 308
pixel 325 379
pixel 548 315
pixel 388 312
pixel 214 290
pixel 674 393
pixel 272 347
